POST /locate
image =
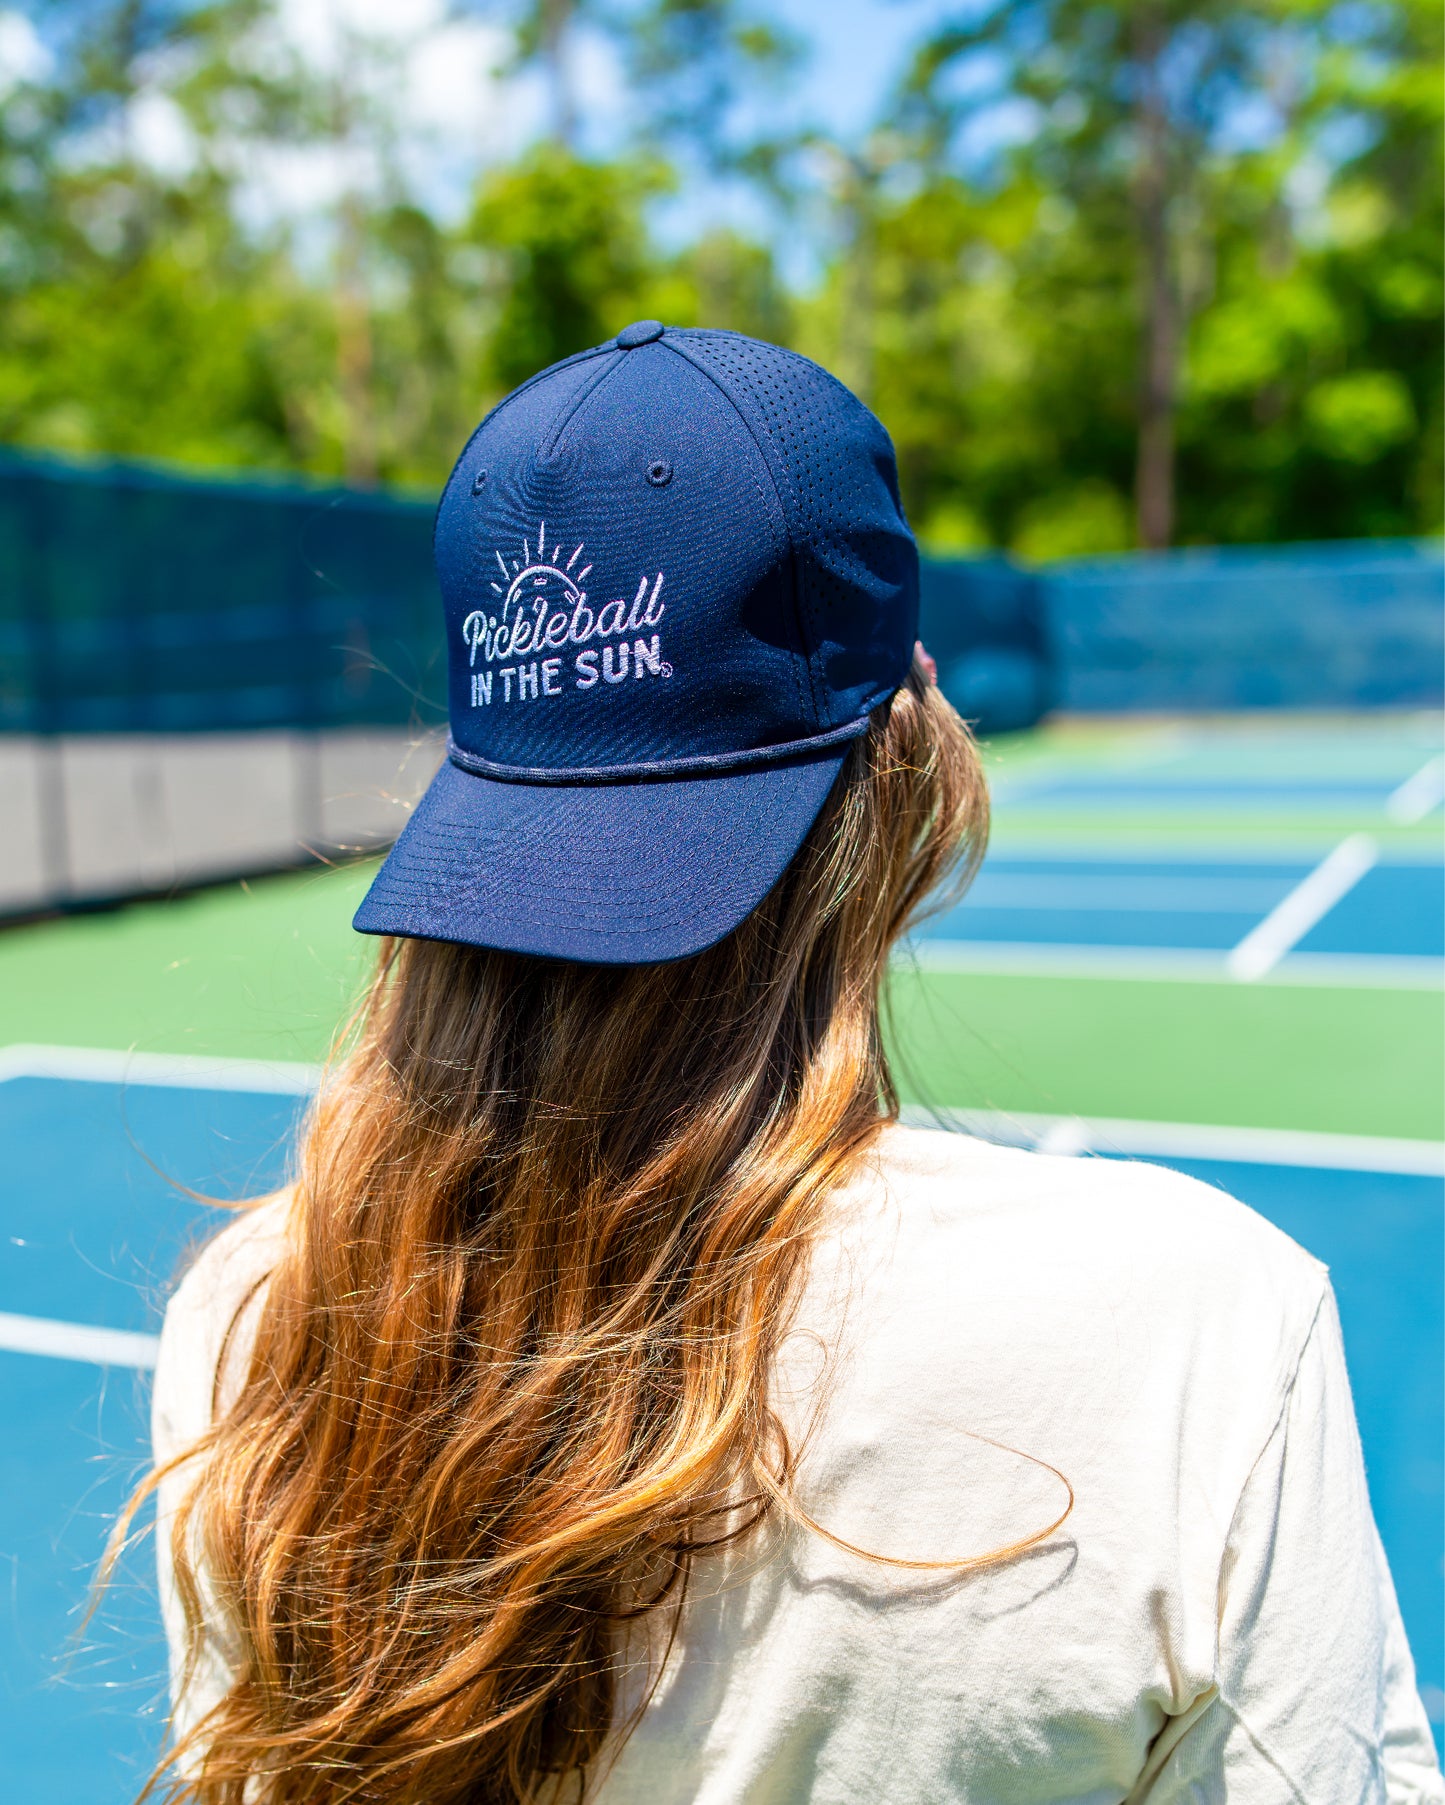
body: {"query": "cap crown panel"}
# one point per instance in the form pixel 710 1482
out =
pixel 596 617
pixel 856 561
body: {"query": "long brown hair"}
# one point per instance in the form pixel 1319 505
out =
pixel 512 1371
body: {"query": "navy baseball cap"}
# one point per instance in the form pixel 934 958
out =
pixel 677 580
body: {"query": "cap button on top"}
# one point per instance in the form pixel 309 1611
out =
pixel 640 332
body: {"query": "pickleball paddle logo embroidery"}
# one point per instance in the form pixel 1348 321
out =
pixel 536 638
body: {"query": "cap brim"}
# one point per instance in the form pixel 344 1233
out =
pixel 615 874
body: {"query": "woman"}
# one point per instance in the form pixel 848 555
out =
pixel 621 1404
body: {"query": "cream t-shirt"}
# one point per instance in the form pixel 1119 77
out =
pixel 1214 1620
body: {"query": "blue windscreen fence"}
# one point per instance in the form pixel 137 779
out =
pixel 133 600
pixel 137 601
pixel 1350 624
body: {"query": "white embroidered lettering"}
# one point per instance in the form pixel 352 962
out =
pixel 544 608
pixel 611 618
pixel 634 619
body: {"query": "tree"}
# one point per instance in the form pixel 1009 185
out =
pixel 1313 376
pixel 570 256
pixel 1140 116
pixel 1077 347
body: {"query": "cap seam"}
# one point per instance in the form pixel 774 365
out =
pixel 576 358
pixel 806 603
pixel 810 627
pixel 788 515
pixel 584 394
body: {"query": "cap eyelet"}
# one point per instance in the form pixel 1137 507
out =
pixel 659 473
pixel 479 482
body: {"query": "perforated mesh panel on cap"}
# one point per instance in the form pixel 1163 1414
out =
pixel 834 467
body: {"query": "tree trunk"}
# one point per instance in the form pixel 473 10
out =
pixel 556 26
pixel 857 325
pixel 1158 394
pixel 354 349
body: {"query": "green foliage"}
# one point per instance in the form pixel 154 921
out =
pixel 1002 316
pixel 998 311
pixel 728 282
pixel 571 252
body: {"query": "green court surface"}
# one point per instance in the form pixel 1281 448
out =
pixel 1260 1056
pixel 266 970
pixel 260 970
pixel 1076 1020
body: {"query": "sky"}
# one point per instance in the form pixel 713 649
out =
pixel 859 48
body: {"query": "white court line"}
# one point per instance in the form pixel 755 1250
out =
pixel 1419 794
pixel 1038 959
pixel 76 1341
pixel 1310 901
pixel 1069 1135
pixel 182 1071
pixel 1184 1140
pixel 1193 1140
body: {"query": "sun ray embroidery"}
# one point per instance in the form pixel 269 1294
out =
pixel 543 614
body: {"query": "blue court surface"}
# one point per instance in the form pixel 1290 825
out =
pixel 1254 848
pixel 94 1226
pixel 1393 909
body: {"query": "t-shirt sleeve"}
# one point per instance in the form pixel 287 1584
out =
pixel 212 1312
pixel 1314 1700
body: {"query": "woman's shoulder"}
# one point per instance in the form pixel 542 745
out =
pixel 1133 1326
pixel 1161 1216
pixel 231 1264
pixel 1133 1248
pixel 208 1316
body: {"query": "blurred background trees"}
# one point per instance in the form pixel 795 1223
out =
pixel 1113 272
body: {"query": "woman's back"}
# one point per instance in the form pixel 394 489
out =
pixel 979 1330
pixel 623 1403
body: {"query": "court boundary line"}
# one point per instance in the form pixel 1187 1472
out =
pixel 1398 851
pixel 179 1071
pixel 1169 965
pixel 1061 1135
pixel 1052 1133
pixel 1302 1147
pixel 81 1341
pixel 1308 903
pixel 1419 795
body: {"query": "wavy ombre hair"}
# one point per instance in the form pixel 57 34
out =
pixel 512 1371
